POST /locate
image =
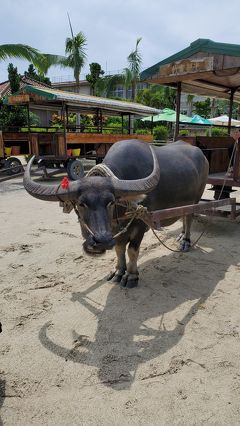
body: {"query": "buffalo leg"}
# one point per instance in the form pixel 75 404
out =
pixel 130 279
pixel 184 237
pixel 121 263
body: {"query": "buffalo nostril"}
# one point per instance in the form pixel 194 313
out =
pixel 104 241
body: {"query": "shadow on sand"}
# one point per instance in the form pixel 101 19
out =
pixel 123 338
pixel 2 396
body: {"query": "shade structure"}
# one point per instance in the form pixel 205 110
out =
pixel 222 120
pixel 197 119
pixel 78 101
pixel 169 115
pixel 204 68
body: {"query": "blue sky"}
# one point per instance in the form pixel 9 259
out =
pixel 113 26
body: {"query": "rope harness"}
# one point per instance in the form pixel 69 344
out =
pixel 134 210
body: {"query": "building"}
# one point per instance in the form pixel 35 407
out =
pixel 84 88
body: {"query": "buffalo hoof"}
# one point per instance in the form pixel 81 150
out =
pixel 129 280
pixel 185 244
pixel 115 277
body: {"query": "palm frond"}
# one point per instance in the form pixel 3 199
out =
pixel 42 61
pixel 135 61
pixel 46 60
pixel 18 51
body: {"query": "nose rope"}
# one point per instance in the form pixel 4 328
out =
pixel 80 219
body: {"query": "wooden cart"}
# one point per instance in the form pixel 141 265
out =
pixel 55 149
pixel 210 69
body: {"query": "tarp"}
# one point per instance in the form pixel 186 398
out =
pixel 197 119
pixel 168 114
pixel 222 120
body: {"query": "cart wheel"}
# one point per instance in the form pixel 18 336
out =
pixel 75 169
pixel 14 164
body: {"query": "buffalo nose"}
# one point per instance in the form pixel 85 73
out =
pixel 106 241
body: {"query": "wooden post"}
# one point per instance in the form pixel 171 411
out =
pixel 178 101
pixel 101 123
pixel 230 110
pixel 129 124
pixel 122 122
pixel 67 118
pixel 64 123
pixel 28 118
pixel 1 145
pixel 97 119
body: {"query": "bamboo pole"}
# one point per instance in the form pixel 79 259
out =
pixel 178 102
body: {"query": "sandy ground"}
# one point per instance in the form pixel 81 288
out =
pixel 78 350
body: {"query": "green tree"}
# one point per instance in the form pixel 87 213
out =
pixel 203 108
pixel 15 116
pixel 31 73
pixel 94 78
pixel 157 96
pixel 14 78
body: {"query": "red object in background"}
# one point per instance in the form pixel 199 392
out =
pixel 15 150
pixel 65 183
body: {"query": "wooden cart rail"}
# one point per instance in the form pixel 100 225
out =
pixel 204 206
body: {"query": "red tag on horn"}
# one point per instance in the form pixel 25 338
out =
pixel 65 183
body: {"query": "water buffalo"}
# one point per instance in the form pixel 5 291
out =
pixel 159 177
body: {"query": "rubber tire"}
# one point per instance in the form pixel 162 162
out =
pixel 14 164
pixel 75 169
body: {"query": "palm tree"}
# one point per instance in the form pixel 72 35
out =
pixel 75 49
pixel 42 61
pixel 76 54
pixel 129 77
pixel 132 72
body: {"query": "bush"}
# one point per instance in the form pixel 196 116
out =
pixel 143 132
pixel 184 132
pixel 218 131
pixel 160 133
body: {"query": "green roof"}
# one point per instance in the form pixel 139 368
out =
pixel 89 102
pixel 200 45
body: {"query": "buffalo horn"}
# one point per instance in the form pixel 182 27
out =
pixel 48 192
pixel 138 186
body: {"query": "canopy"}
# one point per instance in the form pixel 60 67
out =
pixel 205 68
pixel 78 101
pixel 222 120
pixel 197 119
pixel 168 115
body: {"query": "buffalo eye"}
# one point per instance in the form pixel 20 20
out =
pixel 81 204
